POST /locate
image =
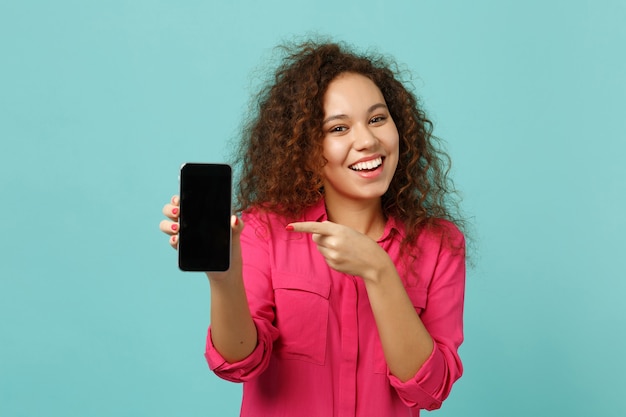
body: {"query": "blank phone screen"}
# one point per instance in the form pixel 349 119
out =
pixel 205 208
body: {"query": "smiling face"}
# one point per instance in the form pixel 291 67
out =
pixel 361 141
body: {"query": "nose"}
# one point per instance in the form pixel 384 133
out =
pixel 364 138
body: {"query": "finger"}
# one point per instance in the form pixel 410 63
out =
pixel 318 239
pixel 174 241
pixel 237 224
pixel 171 211
pixel 327 242
pixel 175 200
pixel 323 228
pixel 168 227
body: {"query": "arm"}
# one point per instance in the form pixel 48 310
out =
pixel 259 295
pixel 442 300
pixel 420 350
pixel 406 342
pixel 233 331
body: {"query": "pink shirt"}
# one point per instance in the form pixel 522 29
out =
pixel 318 352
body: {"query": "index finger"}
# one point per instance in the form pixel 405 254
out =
pixel 323 228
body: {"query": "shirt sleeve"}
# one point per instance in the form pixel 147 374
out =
pixel 443 318
pixel 255 247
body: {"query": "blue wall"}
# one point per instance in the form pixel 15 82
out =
pixel 100 102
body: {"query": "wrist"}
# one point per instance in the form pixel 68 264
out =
pixel 381 271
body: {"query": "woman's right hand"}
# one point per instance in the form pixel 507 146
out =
pixel 171 227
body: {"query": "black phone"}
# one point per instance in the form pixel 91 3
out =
pixel 204 242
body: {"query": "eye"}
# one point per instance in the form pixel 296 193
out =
pixel 338 129
pixel 378 119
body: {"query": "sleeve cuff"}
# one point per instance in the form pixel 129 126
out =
pixel 424 389
pixel 242 370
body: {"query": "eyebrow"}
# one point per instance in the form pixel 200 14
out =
pixel 344 116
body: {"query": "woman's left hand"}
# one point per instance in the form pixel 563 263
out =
pixel 345 249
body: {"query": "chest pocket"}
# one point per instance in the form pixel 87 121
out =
pixel 418 297
pixel 301 316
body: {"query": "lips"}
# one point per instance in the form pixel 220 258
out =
pixel 367 165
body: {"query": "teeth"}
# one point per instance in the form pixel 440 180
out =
pixel 374 163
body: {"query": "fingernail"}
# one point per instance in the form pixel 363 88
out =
pixel 289 228
pixel 174 227
pixel 236 221
pixel 175 210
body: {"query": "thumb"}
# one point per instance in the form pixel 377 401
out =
pixel 237 225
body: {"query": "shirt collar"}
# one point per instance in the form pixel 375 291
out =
pixel 316 212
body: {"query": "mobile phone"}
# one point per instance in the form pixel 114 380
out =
pixel 204 241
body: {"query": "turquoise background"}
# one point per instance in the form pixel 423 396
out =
pixel 100 103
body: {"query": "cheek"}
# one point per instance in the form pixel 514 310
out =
pixel 393 145
pixel 394 137
pixel 334 152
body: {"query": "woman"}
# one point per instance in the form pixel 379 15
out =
pixel 345 294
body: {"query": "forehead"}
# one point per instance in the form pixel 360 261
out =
pixel 351 90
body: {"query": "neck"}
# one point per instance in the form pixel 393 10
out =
pixel 363 216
